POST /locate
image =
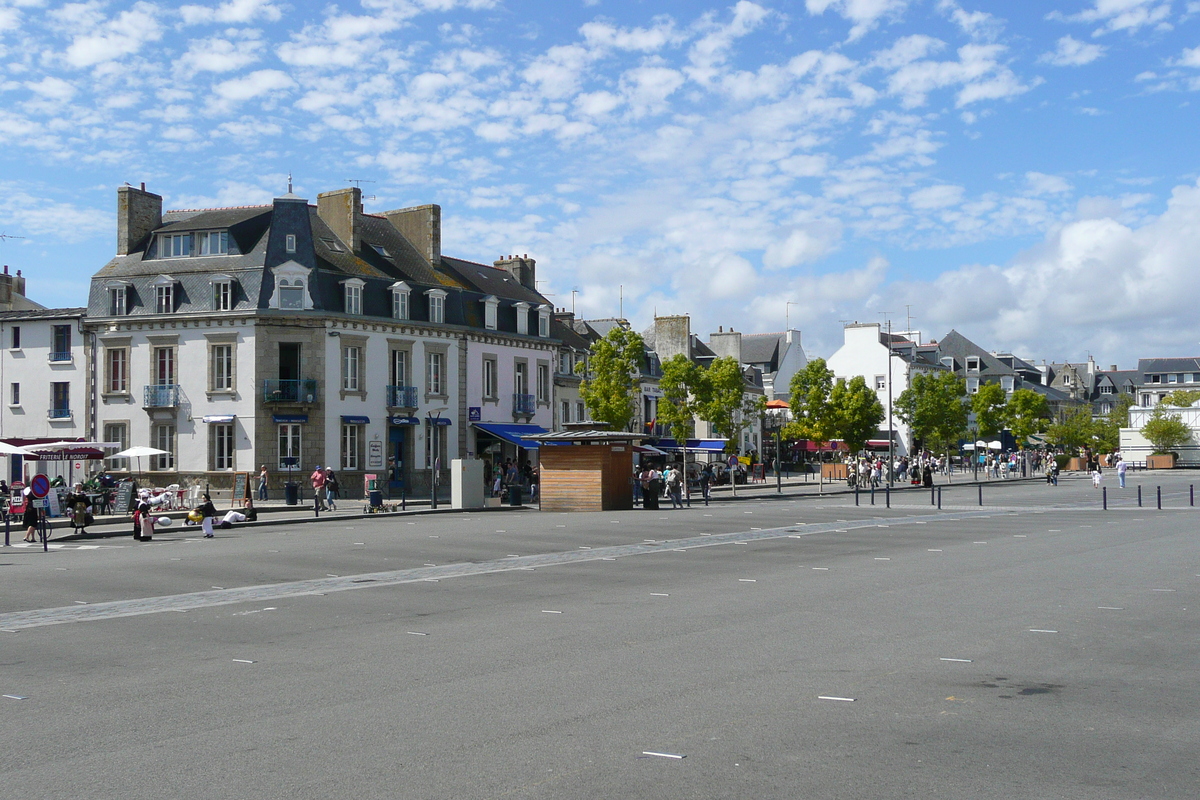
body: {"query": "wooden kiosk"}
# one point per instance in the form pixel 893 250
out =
pixel 585 468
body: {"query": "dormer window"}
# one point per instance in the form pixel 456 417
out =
pixel 333 244
pixel 213 243
pixel 544 322
pixel 523 318
pixel 174 245
pixel 222 293
pixel 400 306
pixel 352 295
pixel 491 305
pixel 118 298
pixel 289 243
pixel 437 305
pixel 378 248
pixel 164 294
pixel 972 364
pixel 291 287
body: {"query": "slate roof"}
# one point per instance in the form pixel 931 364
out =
pixel 763 348
pixel 1155 366
pixel 42 313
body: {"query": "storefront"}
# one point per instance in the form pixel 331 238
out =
pixel 401 433
pixel 497 442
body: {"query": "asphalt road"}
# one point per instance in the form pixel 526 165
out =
pixel 1037 647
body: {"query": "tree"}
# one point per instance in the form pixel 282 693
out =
pixel 724 402
pixel 1027 413
pixel 1073 432
pixel 610 385
pixel 989 405
pixel 1166 431
pixel 682 387
pixel 935 409
pixel 1108 430
pixel 813 417
pixel 857 410
pixel 1181 398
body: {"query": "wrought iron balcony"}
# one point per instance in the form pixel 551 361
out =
pixel 64 355
pixel 402 396
pixel 164 396
pixel 524 405
pixel 301 391
pixel 60 413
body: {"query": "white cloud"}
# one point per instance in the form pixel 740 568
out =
pixel 1039 183
pixel 864 14
pixel 233 11
pixel 253 85
pixel 218 55
pixel 979 24
pixel 1189 58
pixel 647 40
pixel 123 35
pixel 51 88
pixel 709 53
pixel 802 245
pixel 1120 15
pixel 978 71
pixel 936 197
pixel 1071 52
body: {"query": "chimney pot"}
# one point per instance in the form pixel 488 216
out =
pixel 143 187
pixel 6 269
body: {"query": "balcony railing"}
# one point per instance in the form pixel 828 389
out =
pixel 302 391
pixel 524 405
pixel 60 413
pixel 165 396
pixel 64 355
pixel 402 396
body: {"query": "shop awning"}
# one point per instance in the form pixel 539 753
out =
pixel 404 420
pixel 511 432
pixel 711 445
pixel 293 418
pixel 218 418
pixel 350 419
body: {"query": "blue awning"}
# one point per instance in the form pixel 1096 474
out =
pixel 404 420
pixel 511 432
pixel 217 418
pixel 350 419
pixel 713 445
pixel 294 418
pixel 439 420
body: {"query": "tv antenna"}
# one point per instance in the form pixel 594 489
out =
pixel 6 236
pixel 358 182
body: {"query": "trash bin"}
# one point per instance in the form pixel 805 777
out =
pixel 650 496
pixel 291 493
pixel 376 498
pixel 514 495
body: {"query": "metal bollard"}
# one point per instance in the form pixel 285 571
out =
pixel 872 494
pixel 887 495
pixel 932 496
pixel 980 487
pixel 1104 497
pixel 939 498
pixel 1191 494
pixel 1158 491
pixel 1139 495
pixel 856 494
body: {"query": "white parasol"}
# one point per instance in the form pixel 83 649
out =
pixel 137 451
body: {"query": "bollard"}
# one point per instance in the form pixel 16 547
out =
pixel 1158 491
pixel 872 494
pixel 1104 497
pixel 932 496
pixel 1139 495
pixel 856 494
pixel 980 488
pixel 887 495
pixel 404 499
pixel 939 498
pixel 1191 495
pixel 6 524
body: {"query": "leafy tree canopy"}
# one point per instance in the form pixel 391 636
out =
pixel 1027 413
pixel 935 409
pixel 1166 431
pixel 989 405
pixel 812 415
pixel 683 387
pixel 610 384
pixel 724 402
pixel 858 412
pixel 1182 398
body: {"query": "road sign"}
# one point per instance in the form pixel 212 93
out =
pixel 39 486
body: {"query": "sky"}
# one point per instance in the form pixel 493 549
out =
pixel 1025 172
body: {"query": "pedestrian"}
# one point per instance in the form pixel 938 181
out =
pixel 144 518
pixel 706 479
pixel 1096 478
pixel 80 508
pixel 318 484
pixel 262 482
pixel 675 486
pixel 31 517
pixel 1121 467
pixel 207 512
pixel 332 489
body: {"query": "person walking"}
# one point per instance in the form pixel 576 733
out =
pixel 706 479
pixel 262 482
pixel 332 489
pixel 1121 467
pixel 30 518
pixel 207 512
pixel 144 522
pixel 675 486
pixel 317 479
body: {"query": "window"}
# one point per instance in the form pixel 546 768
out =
pixel 564 363
pixel 434 365
pixel 14 394
pixel 15 341
pixel 437 305
pixel 289 243
pixel 116 301
pixel 291 287
pixel 972 385
pixel 881 381
pixel 291 295
pixel 490 306
pixel 521 378
pixel 163 437
pixel 1155 378
pixel 972 364
pixel 1172 379
pixel 490 391
pixel 164 366
pixel 116 379
pixel 522 318
pixel 1106 390
pixel 351 357
pixel 1145 400
pixel 566 411
pixel 378 248
pixel 400 292
pixel 222 369
pixel 352 295
pixel 543 382
pixel 60 400
pixel 220 446
pixel 289 444
pixel 175 245
pixel 350 439
pixel 164 298
pixel 400 368
pixel 214 243
pixel 543 323
pixel 580 411
pixel 60 349
pixel 117 433
pixel 222 295
pixel 334 245
pixel 1006 382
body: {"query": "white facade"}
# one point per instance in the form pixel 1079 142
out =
pixel 862 353
pixel 1135 446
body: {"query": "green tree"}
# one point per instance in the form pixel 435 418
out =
pixel 935 409
pixel 724 402
pixel 1027 413
pixel 1074 431
pixel 1108 430
pixel 857 411
pixel 813 417
pixel 610 384
pixel 1166 431
pixel 989 405
pixel 1181 398
pixel 682 385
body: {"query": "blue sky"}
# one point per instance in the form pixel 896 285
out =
pixel 1025 172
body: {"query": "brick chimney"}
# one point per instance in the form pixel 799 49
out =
pixel 342 211
pixel 523 268
pixel 138 214
pixel 672 335
pixel 422 227
pixel 6 290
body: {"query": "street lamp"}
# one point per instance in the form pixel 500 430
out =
pixel 433 446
